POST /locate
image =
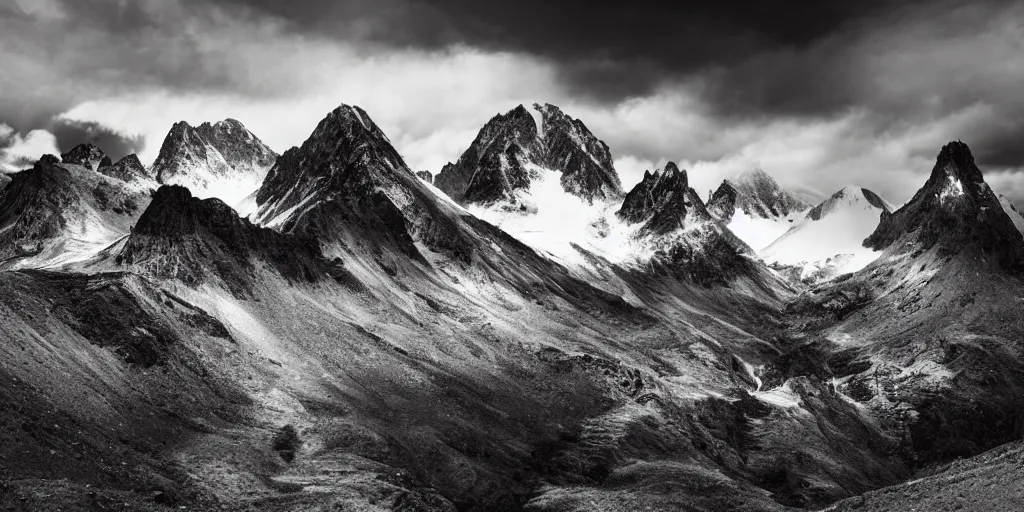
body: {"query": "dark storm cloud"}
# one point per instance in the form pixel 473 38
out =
pixel 606 49
pixel 114 144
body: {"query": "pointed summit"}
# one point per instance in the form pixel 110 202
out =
pixel 223 160
pixel 722 203
pixel 761 196
pixel 183 237
pixel 511 150
pixel 661 198
pixel 348 186
pixel 346 149
pixel 955 209
pixel 86 155
pixel 128 169
pixel 679 232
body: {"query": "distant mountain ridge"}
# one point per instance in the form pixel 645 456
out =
pixel 829 241
pixel 223 160
pixel 502 158
pixel 755 208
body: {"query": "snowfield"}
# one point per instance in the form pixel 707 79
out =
pixel 834 241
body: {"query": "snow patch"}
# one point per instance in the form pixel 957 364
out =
pixel 758 232
pixel 538 119
pixel 550 220
pixel 952 189
pixel 783 397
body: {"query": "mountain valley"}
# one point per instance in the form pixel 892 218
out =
pixel 326 329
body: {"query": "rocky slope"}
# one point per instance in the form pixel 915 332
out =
pixel 192 240
pixel 223 160
pixel 54 214
pixel 925 337
pixel 829 241
pixel 506 154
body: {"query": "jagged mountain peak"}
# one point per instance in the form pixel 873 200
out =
pixel 955 209
pixel 222 159
pixel 345 148
pixel 662 196
pixel 86 155
pixel 956 158
pixel 128 169
pixel 184 237
pixel 684 237
pixel 507 152
pixel 850 195
pixel 759 195
pixel 350 123
pixel 722 202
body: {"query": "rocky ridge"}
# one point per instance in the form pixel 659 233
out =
pixel 503 157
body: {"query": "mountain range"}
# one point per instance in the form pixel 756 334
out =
pixel 326 329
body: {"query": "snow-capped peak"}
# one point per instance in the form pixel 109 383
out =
pixel 829 241
pixel 755 208
pixel 497 163
pixel 955 209
pixel 223 160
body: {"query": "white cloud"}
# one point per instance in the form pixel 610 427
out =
pixel 17 149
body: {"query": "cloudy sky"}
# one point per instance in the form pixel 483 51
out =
pixel 819 94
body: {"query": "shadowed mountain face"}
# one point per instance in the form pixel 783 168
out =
pixel 954 209
pixel 661 200
pixel 348 186
pixel 506 152
pixel 688 240
pixel 128 169
pixel 189 239
pixel 722 203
